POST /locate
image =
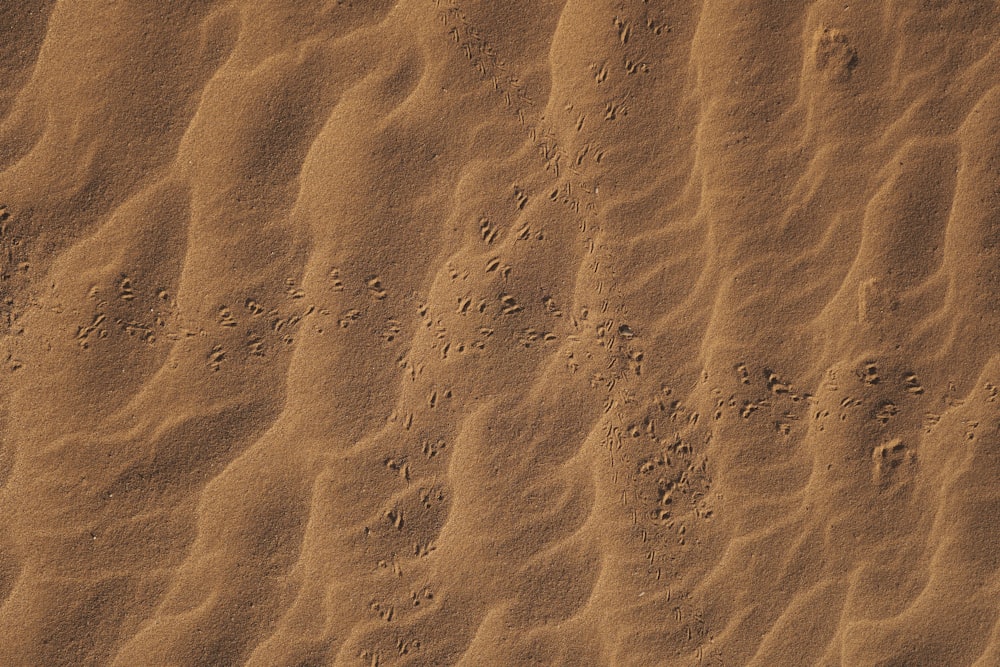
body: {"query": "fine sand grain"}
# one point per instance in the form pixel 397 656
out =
pixel 445 332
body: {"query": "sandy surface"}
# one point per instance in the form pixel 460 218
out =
pixel 438 332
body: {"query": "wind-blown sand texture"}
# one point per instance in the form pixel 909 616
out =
pixel 441 332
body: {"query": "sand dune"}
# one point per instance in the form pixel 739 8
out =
pixel 435 332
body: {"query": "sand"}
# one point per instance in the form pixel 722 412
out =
pixel 440 332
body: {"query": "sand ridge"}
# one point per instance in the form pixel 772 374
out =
pixel 433 332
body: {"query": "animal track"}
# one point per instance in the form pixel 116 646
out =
pixel 400 466
pixel 486 230
pixel 335 281
pixel 912 384
pixel 143 331
pixel 226 317
pixel 749 407
pixel 395 517
pixel 255 345
pixel 375 288
pixel 433 399
pixel 291 290
pixel 889 456
pixel 431 448
pixel 616 109
pixel 145 322
pixel 624 30
pixel 835 56
pixel 254 307
pixel 125 289
pixel 393 327
pixel 349 316
pixel 420 597
pixel 385 612
pixel 601 73
pixel 509 305
pixel 520 197
pixel 14 268
pixel 84 332
pixel 633 67
pixel 482 55
pixel 216 357
pixel 656 27
pixel 886 411
pixel 550 306
pixel 775 384
pixel 430 496
pixel 525 337
pixel 525 232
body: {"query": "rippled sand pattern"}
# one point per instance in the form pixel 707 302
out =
pixel 441 332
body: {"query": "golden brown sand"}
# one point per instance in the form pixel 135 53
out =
pixel 437 332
